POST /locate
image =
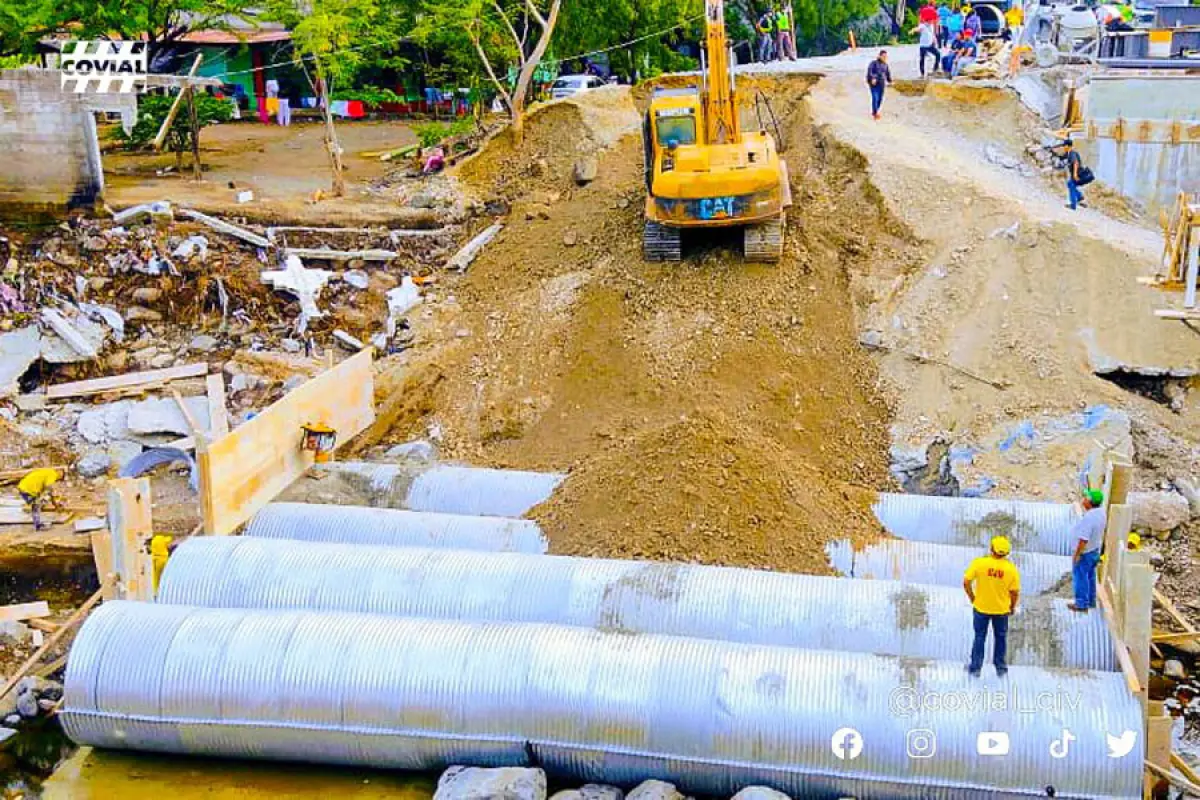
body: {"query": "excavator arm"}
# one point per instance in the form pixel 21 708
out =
pixel 720 104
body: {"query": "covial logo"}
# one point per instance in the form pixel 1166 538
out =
pixel 104 67
pixel 847 744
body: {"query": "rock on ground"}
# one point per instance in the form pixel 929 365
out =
pixel 590 791
pixel 479 783
pixel 760 793
pixel 1159 511
pixel 162 415
pixel 655 790
pixel 416 450
pixel 93 463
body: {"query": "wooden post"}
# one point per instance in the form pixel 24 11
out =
pixel 102 554
pixel 1138 604
pixel 130 526
pixel 1120 477
pixel 331 140
pixel 1116 531
pixel 1189 286
pixel 194 125
pixel 170 118
pixel 1158 742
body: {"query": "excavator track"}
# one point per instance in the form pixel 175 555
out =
pixel 764 242
pixel 661 243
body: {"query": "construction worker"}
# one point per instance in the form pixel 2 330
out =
pixel 785 45
pixel 1074 163
pixel 766 35
pixel 35 489
pixel 1133 543
pixel 879 75
pixel 1088 535
pixel 161 547
pixel 1014 19
pixel 993 585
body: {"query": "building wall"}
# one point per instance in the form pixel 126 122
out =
pixel 49 153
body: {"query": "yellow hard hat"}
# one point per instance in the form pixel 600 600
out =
pixel 1001 546
pixel 1134 542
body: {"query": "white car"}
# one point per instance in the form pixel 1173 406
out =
pixel 568 85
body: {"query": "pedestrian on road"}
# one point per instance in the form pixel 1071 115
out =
pixel 993 585
pixel 1088 535
pixel 784 43
pixel 944 13
pixel 766 35
pixel 879 75
pixel 1074 179
pixel 927 34
pixel 36 490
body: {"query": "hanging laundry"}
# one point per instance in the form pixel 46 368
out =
pixel 355 109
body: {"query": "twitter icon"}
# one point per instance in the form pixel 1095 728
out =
pixel 1121 746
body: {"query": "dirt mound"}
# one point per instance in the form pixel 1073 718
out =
pixel 555 136
pixel 713 409
pixel 707 490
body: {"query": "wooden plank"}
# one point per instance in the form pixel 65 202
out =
pixel 1189 282
pixel 1171 638
pixel 1184 768
pixel 1138 602
pixel 43 625
pixel 1122 653
pixel 218 416
pixel 1170 313
pixel 40 653
pixel 245 469
pixel 161 136
pixel 130 526
pixel 192 424
pixel 147 379
pixel 24 611
pixel 1174 779
pixel 102 554
pixel 1173 611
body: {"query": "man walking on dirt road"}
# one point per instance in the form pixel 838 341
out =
pixel 1074 162
pixel 879 75
pixel 993 585
pixel 1088 535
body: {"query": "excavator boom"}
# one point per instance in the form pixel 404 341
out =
pixel 720 104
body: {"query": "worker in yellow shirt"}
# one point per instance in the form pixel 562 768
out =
pixel 161 547
pixel 993 585
pixel 35 489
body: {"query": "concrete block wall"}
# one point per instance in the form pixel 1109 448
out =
pixel 49 151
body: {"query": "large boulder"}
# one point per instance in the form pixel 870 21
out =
pixel 1159 511
pixel 760 793
pixel 655 790
pixel 590 791
pixel 503 783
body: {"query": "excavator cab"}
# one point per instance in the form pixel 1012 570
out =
pixel 703 171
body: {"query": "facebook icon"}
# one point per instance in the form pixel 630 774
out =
pixel 847 744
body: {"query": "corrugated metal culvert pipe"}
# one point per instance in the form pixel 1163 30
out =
pixel 710 716
pixel 973 521
pixel 740 605
pixel 941 564
pixel 318 522
pixel 433 487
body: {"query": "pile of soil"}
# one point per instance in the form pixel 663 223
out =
pixel 712 410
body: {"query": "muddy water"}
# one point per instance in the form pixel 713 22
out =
pixel 102 775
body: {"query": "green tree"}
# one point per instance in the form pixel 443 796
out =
pixel 500 32
pixel 153 109
pixel 630 26
pixel 822 25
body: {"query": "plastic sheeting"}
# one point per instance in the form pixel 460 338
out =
pixel 941 564
pixel 1031 527
pixel 155 457
pixel 633 597
pixel 316 522
pixel 710 716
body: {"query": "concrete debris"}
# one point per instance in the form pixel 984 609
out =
pixel 1188 489
pixel 245 196
pixel 1159 511
pixel 304 283
pixel 416 450
pixel 162 415
pixel 1173 669
pixel 348 340
pixel 294 382
pixel 760 793
pixel 203 343
pixel 67 332
pixel 156 212
pixel 147 294
pixel 872 340
pixel 104 423
pixel 9 732
pixel 56 350
pixel 192 246
pixel 14 631
pixel 502 783
pixel 93 464
pixel 1010 232
pixel 108 315
pixel 997 156
pixel 590 791
pixel 141 314
pixel 570 238
pixel 227 228
pixel 89 524
pixel 655 790
pixel 27 705
pixel 356 278
pixel 463 258
pixel 18 350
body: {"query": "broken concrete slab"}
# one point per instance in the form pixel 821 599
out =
pixel 66 330
pixel 162 415
pixel 89 524
pixel 304 283
pixel 463 258
pixel 105 423
pixel 122 451
pixel 154 211
pixel 57 351
pixel 18 350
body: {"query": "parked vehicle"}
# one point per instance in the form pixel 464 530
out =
pixel 568 85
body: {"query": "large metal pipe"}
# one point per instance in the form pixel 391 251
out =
pixel 318 522
pixel 941 564
pixel 710 716
pixel 973 521
pixel 437 487
pixel 634 597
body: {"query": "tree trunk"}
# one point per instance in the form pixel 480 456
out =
pixel 528 67
pixel 331 141
pixel 901 5
pixel 194 124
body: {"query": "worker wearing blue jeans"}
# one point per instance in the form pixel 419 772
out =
pixel 1074 196
pixel 993 585
pixel 1088 534
pixel 878 77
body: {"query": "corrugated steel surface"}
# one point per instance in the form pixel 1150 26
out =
pixel 941 564
pixel 317 522
pixel 741 605
pixel 972 521
pixel 710 716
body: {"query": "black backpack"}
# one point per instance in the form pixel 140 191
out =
pixel 1086 176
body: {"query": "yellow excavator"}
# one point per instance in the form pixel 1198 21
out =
pixel 702 169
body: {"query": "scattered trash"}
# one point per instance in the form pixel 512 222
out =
pixel 193 245
pixel 245 196
pixel 356 278
pixel 158 212
pixel 348 340
pixel 304 283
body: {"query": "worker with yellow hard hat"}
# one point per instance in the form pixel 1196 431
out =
pixel 1133 543
pixel 993 585
pixel 36 491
